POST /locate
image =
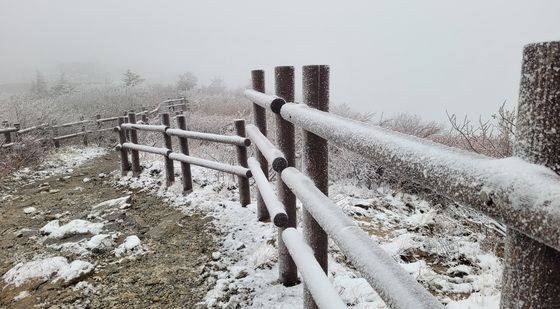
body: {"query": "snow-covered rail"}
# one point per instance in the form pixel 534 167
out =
pixel 274 206
pixel 270 152
pixel 523 192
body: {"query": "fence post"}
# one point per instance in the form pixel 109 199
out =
pixel 16 135
pixel 532 270
pixel 316 163
pixel 55 134
pixel 169 167
pixel 127 132
pixel 244 193
pixel 84 137
pixel 134 153
pixel 125 164
pixel 259 118
pixel 145 115
pixel 285 138
pixel 185 167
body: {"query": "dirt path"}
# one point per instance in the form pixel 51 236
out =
pixel 165 271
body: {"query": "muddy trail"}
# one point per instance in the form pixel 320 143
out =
pixel 164 270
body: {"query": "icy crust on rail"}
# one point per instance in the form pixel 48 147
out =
pixel 274 206
pixel 270 152
pixel 270 102
pixel 524 196
pixel 395 286
pixel 315 279
pixel 225 139
pixel 232 169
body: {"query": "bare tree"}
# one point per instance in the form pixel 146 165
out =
pixel 492 137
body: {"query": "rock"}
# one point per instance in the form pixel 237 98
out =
pixel 86 179
pixel 29 210
pixel 240 273
pixel 102 175
pixel 216 255
pixel 54 191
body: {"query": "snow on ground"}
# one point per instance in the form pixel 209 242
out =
pixel 60 161
pixel 57 268
pixel 439 246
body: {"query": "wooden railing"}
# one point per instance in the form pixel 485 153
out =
pixel 82 128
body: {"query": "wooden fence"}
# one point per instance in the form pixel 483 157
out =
pixel 82 128
pixel 522 192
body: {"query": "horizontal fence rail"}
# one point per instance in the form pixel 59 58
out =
pixel 144 127
pixel 218 166
pixel 316 280
pixel 148 149
pixel 270 152
pixel 210 137
pixel 274 206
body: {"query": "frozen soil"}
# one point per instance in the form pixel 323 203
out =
pixel 167 272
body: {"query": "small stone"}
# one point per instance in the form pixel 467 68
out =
pixel 86 179
pixel 102 175
pixel 54 191
pixel 29 210
pixel 216 255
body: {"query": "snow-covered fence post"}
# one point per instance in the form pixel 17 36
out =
pixel 134 155
pixel 84 131
pixel 127 132
pixel 16 135
pixel 316 163
pixel 145 115
pixel 125 164
pixel 259 119
pixel 169 167
pixel 54 132
pixel 532 269
pixel 285 138
pixel 244 193
pixel 184 102
pixel 185 167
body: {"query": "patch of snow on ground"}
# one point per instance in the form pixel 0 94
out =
pixel 60 161
pixel 55 230
pixel 55 268
pixel 130 243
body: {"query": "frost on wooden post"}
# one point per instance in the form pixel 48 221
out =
pixel 522 195
pixel 531 275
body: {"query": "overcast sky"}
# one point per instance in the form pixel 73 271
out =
pixel 422 57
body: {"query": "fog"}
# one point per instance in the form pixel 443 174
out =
pixel 421 57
